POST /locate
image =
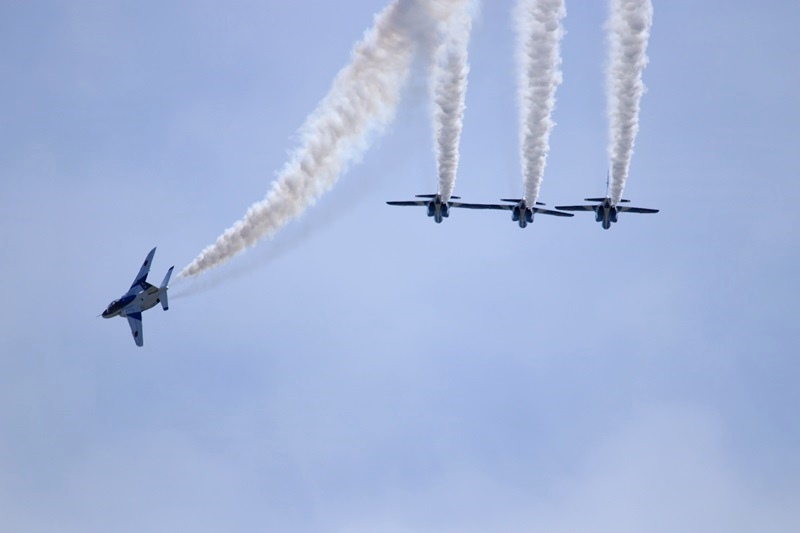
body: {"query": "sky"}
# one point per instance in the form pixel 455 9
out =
pixel 367 369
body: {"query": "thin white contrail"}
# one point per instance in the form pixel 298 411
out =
pixel 361 102
pixel 629 30
pixel 448 92
pixel 539 33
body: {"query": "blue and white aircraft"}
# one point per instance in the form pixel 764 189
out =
pixel 140 297
pixel 437 208
pixel 521 212
pixel 605 212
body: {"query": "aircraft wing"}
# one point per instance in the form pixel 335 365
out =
pixel 481 206
pixel 551 212
pixel 636 209
pixel 576 207
pixel 141 277
pixel 410 202
pixel 135 322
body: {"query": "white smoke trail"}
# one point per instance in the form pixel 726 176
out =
pixel 449 87
pixel 629 30
pixel 361 102
pixel 539 34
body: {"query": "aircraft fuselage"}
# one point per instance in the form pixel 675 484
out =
pixel 438 209
pixel 522 214
pixel 146 299
pixel 606 213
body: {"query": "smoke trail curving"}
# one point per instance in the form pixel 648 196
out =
pixel 539 33
pixel 361 102
pixel 449 88
pixel 629 30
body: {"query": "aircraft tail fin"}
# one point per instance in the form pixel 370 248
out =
pixel 164 287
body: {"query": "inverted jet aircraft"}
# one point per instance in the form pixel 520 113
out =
pixel 605 212
pixel 140 297
pixel 521 212
pixel 437 208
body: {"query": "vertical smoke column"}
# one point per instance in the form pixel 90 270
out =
pixel 539 33
pixel 449 88
pixel 361 102
pixel 629 30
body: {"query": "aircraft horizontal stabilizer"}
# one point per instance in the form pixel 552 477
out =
pixel 165 283
pixel 433 196
pixel 603 200
pixel 518 200
pixel 164 286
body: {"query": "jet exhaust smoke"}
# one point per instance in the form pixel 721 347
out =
pixel 361 103
pixel 448 92
pixel 629 30
pixel 539 33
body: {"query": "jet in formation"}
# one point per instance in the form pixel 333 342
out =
pixel 140 297
pixel 521 212
pixel 605 211
pixel 437 208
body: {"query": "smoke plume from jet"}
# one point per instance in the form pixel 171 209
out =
pixel 629 30
pixel 448 87
pixel 539 34
pixel 361 102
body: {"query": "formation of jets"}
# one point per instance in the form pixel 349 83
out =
pixel 143 296
pixel 439 209
pixel 605 210
pixel 140 297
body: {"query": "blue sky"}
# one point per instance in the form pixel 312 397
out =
pixel 369 370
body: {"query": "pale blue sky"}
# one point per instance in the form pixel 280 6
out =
pixel 370 370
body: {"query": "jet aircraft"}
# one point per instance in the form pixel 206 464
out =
pixel 521 212
pixel 605 212
pixel 437 208
pixel 140 297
